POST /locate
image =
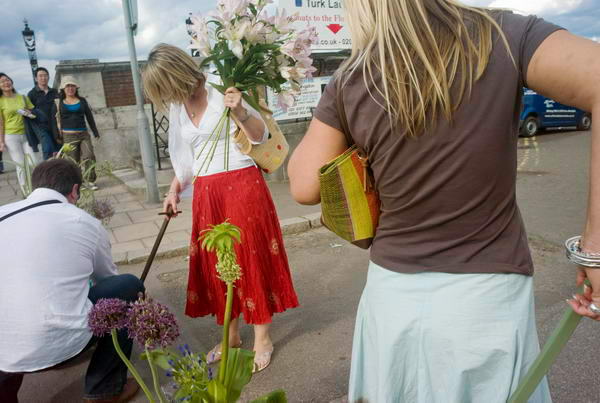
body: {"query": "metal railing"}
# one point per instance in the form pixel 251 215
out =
pixel 160 125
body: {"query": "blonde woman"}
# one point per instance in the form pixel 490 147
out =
pixel 172 79
pixel 432 91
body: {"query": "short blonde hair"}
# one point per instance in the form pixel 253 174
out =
pixel 170 76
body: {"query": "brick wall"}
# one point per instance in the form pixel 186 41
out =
pixel 118 87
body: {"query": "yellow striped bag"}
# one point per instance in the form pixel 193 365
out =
pixel 350 204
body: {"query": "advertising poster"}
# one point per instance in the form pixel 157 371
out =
pixel 327 16
pixel 305 102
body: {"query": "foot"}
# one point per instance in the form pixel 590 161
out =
pixel 262 359
pixel 129 391
pixel 214 355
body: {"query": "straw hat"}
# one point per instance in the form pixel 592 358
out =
pixel 66 80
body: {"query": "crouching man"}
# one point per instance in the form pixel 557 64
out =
pixel 49 250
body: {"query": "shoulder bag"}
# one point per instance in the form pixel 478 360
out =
pixel 350 205
pixel 271 154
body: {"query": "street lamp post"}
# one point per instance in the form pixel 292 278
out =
pixel 143 126
pixel 29 39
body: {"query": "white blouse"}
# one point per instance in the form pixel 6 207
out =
pixel 186 140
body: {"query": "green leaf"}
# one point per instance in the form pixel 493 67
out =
pixel 220 88
pixel 252 9
pixel 240 364
pixel 277 396
pixel 217 392
pixel 160 357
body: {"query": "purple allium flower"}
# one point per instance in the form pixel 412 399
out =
pixel 107 314
pixel 151 324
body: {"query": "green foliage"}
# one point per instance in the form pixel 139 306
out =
pixel 221 237
pixel 277 396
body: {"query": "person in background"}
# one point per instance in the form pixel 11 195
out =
pixel 69 114
pixel 432 92
pixel 13 109
pixel 46 295
pixel 42 97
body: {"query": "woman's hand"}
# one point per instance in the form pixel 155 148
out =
pixel 233 101
pixel 170 203
pixel 581 302
pixel 2 146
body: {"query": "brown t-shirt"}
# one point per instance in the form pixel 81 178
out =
pixel 448 197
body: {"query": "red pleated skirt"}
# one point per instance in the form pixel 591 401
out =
pixel 243 198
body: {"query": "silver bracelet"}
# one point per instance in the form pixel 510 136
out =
pixel 577 256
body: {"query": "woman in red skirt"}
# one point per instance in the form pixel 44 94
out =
pixel 238 194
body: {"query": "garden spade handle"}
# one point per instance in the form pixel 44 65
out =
pixel 159 238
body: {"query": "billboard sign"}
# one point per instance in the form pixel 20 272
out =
pixel 305 102
pixel 327 16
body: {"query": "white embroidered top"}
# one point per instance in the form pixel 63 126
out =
pixel 186 140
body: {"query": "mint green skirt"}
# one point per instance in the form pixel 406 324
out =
pixel 439 337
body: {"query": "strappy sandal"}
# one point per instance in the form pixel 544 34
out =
pixel 262 361
pixel 214 355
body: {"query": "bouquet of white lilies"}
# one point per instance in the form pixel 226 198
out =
pixel 249 51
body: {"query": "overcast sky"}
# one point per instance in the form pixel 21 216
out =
pixel 73 29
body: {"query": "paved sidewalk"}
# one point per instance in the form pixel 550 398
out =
pixel 135 225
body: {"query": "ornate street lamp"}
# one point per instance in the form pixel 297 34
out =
pixel 29 39
pixel 188 27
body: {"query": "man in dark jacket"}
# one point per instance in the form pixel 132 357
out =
pixel 42 97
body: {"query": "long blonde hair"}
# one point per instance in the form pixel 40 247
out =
pixel 170 76
pixel 421 48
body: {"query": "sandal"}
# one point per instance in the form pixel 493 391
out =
pixel 214 355
pixel 262 361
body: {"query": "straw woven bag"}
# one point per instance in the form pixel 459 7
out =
pixel 270 155
pixel 350 205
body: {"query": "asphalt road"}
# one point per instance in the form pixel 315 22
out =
pixel 313 342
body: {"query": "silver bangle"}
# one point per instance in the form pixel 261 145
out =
pixel 577 256
pixel 592 307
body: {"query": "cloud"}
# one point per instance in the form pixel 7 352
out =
pixel 72 29
pixel 547 7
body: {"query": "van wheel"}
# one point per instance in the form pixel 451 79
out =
pixel 585 123
pixel 530 127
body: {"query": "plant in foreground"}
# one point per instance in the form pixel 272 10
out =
pixel 155 329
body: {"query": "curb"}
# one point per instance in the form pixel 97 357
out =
pixel 289 226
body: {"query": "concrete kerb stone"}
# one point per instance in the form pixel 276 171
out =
pixel 288 226
pixel 314 219
pixel 294 225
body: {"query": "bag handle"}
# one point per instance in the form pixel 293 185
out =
pixel 342 112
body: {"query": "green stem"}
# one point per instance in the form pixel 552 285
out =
pixel 215 133
pixel 214 145
pixel 225 342
pixel 540 367
pixel 157 388
pixel 227 135
pixel 132 369
pixel 216 129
